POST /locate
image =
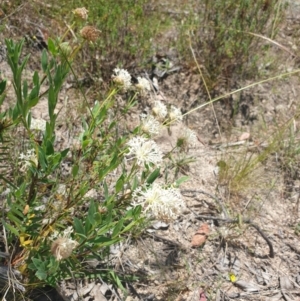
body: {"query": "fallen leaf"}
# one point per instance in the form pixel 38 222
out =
pixel 202 296
pixel 200 236
pixel 244 136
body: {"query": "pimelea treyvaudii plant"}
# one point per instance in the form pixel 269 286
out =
pixel 59 220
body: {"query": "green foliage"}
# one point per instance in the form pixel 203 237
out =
pixel 127 29
pixel 221 33
pixel 53 219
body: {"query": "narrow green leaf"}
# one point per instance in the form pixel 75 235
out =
pixel 64 153
pixel 117 228
pixel 33 97
pixel 49 148
pixel 120 184
pixel 51 47
pixel 11 228
pixel 154 175
pixel 78 226
pixel 51 102
pixel 36 80
pixel 2 97
pixel 25 89
pixel 181 180
pixel 91 213
pixel 45 60
pixel 75 169
pixel 2 86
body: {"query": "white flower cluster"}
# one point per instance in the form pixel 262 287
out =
pixel 158 202
pixel 145 151
pixel 122 78
pixel 159 110
pixel 175 114
pixel 63 246
pixel 38 124
pixel 28 159
pixel 143 85
pixel 188 138
pixel 150 125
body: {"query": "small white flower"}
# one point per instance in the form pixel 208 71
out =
pixel 159 202
pixel 28 159
pixel 143 85
pixel 38 124
pixel 175 114
pixel 150 125
pixel 160 110
pixel 145 151
pixel 122 78
pixel 188 138
pixel 63 246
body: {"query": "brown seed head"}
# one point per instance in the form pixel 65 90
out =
pixel 90 33
pixel 81 13
pixel 63 247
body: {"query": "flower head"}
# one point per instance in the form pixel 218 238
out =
pixel 122 78
pixel 150 125
pixel 159 202
pixel 145 151
pixel 63 246
pixel 175 114
pixel 143 85
pixel 28 159
pixel 81 13
pixel 65 49
pixel 90 33
pixel 38 124
pixel 188 138
pixel 159 110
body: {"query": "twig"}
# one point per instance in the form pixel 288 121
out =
pixel 219 201
pixel 246 221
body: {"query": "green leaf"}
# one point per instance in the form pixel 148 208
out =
pixel 75 169
pixel 103 241
pixel 25 89
pixel 43 159
pixel 78 226
pixel 49 148
pixel 51 102
pixel 29 119
pixel 16 220
pixel 87 226
pixel 11 228
pixel 64 153
pixel 41 274
pixel 45 60
pixel 2 86
pixel 117 228
pixel 154 175
pixel 36 80
pixel 105 187
pixel 117 280
pixel 91 212
pixel 2 97
pixel 41 267
pixel 33 98
pixel 135 183
pixel 120 184
pixel 181 180
pixel 51 47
